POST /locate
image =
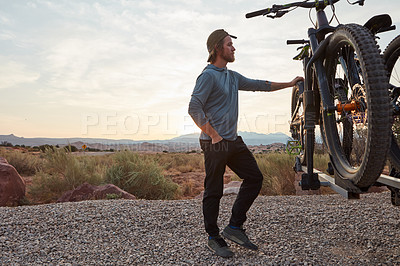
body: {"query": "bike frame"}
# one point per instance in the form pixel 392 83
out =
pixel 318 44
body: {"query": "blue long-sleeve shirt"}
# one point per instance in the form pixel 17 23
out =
pixel 215 99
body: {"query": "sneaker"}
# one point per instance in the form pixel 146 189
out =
pixel 238 236
pixel 219 246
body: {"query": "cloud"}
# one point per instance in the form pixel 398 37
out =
pixel 14 74
pixel 131 62
pixel 6 35
pixel 143 56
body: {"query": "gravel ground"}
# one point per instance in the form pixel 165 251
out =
pixel 291 230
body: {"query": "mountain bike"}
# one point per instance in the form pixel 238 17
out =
pixel 345 93
pixel 391 58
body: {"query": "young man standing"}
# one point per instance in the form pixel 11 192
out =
pixel 214 108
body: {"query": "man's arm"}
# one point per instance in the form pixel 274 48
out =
pixel 200 94
pixel 211 132
pixel 275 86
pixel 247 84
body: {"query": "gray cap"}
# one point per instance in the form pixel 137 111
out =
pixel 214 38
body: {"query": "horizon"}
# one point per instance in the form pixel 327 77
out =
pixel 181 143
pixel 126 69
pixel 196 134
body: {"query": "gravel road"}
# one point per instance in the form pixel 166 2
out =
pixel 290 230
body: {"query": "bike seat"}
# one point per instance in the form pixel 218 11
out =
pixel 378 22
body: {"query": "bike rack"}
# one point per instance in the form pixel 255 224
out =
pixel 351 192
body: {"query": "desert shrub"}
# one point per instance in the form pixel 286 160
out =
pixel 46 187
pixel 321 161
pixel 187 188
pixel 278 173
pixel 6 144
pixel 34 149
pixel 185 168
pixel 63 171
pixel 141 176
pixel 71 148
pixel 180 162
pixel 45 147
pixel 25 163
pixel 277 170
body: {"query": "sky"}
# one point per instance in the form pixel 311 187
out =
pixel 125 69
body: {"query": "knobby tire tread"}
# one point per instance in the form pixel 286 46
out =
pixel 377 100
pixel 390 56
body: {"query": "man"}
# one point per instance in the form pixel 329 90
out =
pixel 214 108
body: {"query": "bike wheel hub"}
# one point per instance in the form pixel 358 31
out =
pixel 348 107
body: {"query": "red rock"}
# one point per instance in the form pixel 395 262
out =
pixel 91 192
pixel 12 186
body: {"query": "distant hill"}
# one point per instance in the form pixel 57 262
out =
pixel 181 143
pixel 59 141
pixel 250 138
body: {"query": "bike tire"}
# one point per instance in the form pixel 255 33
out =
pixel 391 57
pixel 369 86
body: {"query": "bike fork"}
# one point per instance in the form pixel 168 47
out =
pixel 310 179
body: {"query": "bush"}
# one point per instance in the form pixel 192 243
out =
pixel 180 162
pixel 6 144
pixel 46 187
pixel 45 147
pixel 71 148
pixel 277 170
pixel 321 161
pixel 141 176
pixel 26 164
pixel 62 172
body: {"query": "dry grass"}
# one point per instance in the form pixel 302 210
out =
pixel 278 173
pixel 321 162
pixel 187 188
pixel 62 171
pixel 180 162
pixel 277 169
pixel 24 162
pixel 144 175
pixel 141 176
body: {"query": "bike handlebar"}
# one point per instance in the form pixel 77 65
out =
pixel 258 13
pixel 297 41
pixel 279 8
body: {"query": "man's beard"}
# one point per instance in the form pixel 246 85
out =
pixel 229 58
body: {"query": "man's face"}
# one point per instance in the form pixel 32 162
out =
pixel 228 51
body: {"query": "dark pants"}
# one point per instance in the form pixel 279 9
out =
pixel 237 156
